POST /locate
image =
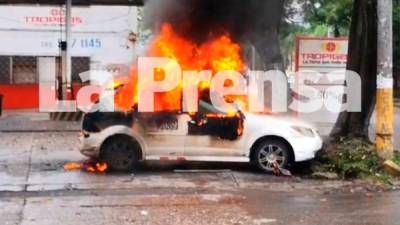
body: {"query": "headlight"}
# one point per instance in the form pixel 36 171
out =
pixel 304 131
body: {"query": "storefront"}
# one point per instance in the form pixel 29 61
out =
pixel 29 46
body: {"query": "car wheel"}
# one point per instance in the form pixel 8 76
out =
pixel 271 153
pixel 120 153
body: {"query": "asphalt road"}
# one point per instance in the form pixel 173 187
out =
pixel 34 189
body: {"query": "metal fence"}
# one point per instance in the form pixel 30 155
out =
pixel 24 69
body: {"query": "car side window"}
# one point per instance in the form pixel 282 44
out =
pixel 210 121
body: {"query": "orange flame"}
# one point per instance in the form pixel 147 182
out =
pixel 73 166
pixel 92 167
pixel 217 54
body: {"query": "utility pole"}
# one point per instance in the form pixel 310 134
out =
pixel 66 54
pixel 384 98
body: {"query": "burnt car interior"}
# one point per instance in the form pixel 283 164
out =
pixel 207 121
pixel 210 121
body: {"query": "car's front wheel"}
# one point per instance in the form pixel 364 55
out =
pixel 272 153
pixel 120 152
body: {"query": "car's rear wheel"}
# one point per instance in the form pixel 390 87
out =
pixel 120 152
pixel 272 153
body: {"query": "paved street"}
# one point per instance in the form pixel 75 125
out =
pixel 34 189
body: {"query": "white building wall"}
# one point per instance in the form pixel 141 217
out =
pixel 99 32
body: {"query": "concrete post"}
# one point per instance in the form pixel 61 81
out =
pixel 66 55
pixel 384 100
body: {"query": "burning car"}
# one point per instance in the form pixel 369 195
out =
pixel 121 139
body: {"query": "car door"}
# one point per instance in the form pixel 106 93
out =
pixel 165 135
pixel 211 134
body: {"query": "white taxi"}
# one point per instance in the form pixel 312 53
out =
pixel 121 139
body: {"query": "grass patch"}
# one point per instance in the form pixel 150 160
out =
pixel 354 158
pixel 396 158
pixel 396 93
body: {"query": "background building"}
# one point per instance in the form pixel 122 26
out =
pixel 102 39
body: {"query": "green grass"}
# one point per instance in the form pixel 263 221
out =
pixel 354 158
pixel 396 158
pixel 396 91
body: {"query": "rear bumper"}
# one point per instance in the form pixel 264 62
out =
pixel 89 147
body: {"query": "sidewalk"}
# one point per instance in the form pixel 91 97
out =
pixel 33 121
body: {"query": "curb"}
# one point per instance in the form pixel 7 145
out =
pixel 39 131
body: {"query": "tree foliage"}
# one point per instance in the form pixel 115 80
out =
pixel 323 14
pixel 396 33
pixel 319 16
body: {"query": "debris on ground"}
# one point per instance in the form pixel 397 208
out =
pixel 325 175
pixel 144 213
pixel 392 168
pixel 278 171
pixel 264 221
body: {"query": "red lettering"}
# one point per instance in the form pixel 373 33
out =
pixel 57 12
pixel 56 17
pixel 324 57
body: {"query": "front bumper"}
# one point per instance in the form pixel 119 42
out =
pixel 305 148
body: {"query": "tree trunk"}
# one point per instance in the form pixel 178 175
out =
pixel 362 59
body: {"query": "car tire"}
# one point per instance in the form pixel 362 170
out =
pixel 120 152
pixel 272 151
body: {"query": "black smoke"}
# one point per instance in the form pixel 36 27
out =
pixel 249 22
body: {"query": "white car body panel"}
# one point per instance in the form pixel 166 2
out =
pixel 200 158
pixel 164 144
pixel 304 148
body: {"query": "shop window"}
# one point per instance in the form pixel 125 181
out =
pixel 5 70
pixel 24 69
pixel 79 65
